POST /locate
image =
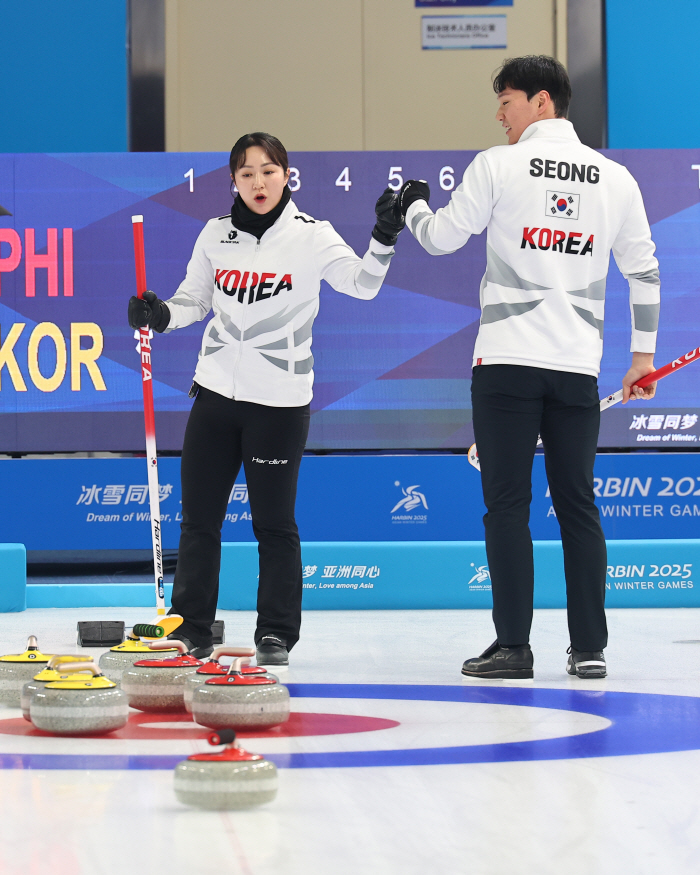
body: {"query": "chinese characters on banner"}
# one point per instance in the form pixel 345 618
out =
pixel 113 494
pixel 334 576
pixel 463 32
pixel 658 420
pixel 669 426
pixel 138 493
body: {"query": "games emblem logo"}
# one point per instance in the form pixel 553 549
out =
pixel 413 500
pixel 481 580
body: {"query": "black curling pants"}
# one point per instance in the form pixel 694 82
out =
pixel 221 435
pixel 512 404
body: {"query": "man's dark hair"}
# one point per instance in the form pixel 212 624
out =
pixel 535 73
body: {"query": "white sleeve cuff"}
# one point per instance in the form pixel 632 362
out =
pixel 380 248
pixel 414 209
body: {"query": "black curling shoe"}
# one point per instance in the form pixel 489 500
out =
pixel 586 663
pixel 195 650
pixel 501 662
pixel 271 650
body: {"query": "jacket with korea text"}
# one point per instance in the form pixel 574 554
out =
pixel 554 209
pixel 265 297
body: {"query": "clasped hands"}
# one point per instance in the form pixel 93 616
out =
pixel 392 206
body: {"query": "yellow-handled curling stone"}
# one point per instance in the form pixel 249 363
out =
pixel 91 705
pixel 214 668
pixel 18 668
pixel 229 779
pixel 52 672
pixel 237 701
pixel 158 684
pixel 124 655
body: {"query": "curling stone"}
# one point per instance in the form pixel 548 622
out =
pixel 235 701
pixel 92 705
pixel 158 684
pixel 214 668
pixel 52 672
pixel 124 655
pixel 18 668
pixel 229 779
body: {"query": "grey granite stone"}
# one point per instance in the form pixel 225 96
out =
pixel 156 689
pixel 225 785
pixel 13 676
pixel 221 707
pixel 112 663
pixel 79 712
pixel 196 680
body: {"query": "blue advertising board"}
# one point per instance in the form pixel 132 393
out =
pixel 418 575
pixel 391 373
pixel 100 504
pixel 425 575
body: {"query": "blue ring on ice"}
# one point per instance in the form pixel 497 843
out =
pixel 641 723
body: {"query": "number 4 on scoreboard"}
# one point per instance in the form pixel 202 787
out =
pixel 343 181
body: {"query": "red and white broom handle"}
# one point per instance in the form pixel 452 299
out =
pixel 670 368
pixel 144 349
pixel 616 397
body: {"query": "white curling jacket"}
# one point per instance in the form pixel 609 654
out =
pixel 265 297
pixel 553 210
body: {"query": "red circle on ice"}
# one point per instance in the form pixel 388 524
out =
pixel 145 726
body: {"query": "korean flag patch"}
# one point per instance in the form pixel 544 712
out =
pixel 562 205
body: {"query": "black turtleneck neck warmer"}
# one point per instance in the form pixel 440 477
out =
pixel 246 220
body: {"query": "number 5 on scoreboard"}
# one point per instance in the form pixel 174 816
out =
pixel 395 178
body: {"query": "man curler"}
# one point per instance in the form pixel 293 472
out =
pixel 553 210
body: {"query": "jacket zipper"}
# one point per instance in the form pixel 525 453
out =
pixel 244 321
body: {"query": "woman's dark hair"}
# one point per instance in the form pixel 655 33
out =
pixel 272 147
pixel 535 73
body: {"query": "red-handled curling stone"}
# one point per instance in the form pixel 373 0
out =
pixel 235 701
pixel 86 705
pixel 124 655
pixel 229 779
pixel 157 685
pixel 18 668
pixel 214 668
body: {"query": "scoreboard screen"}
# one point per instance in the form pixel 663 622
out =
pixel 390 374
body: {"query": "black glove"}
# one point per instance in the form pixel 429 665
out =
pixel 411 191
pixel 148 311
pixel 390 222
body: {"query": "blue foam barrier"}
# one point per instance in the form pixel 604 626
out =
pixel 383 575
pixel 389 575
pixel 13 577
pixel 89 595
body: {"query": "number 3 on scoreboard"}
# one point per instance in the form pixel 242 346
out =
pixel 343 181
